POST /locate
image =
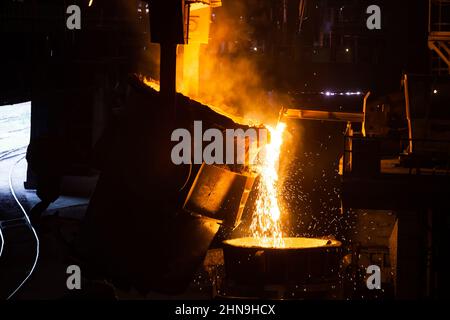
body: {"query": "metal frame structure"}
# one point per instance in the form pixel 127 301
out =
pixel 439 34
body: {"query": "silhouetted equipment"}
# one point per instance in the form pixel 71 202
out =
pixel 167 21
pixel 400 161
pixel 46 159
pixel 167 28
pixel 220 194
pixel 136 230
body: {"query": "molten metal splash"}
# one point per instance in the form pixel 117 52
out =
pixel 266 225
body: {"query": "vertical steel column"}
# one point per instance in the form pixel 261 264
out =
pixel 168 71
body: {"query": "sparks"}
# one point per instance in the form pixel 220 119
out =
pixel 266 226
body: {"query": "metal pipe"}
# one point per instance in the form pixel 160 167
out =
pixel 324 115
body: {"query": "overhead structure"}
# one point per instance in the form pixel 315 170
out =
pixel 439 35
pixel 179 22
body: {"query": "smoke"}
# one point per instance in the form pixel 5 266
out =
pixel 230 73
pixel 231 67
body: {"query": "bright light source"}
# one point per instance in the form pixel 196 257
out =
pixel 347 93
pixel 255 49
pixel 435 91
pixel 347 49
pixel 266 226
pixel 15 126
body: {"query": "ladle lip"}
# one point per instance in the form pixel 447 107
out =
pixel 290 243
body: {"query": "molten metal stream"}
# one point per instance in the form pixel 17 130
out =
pixel 266 226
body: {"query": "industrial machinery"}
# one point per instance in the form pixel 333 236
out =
pixel 184 205
pixel 152 223
pixel 305 268
pixel 399 162
pixel 411 126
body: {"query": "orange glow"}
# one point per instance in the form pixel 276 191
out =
pixel 215 69
pixel 191 65
pixel 152 83
pixel 266 224
pixel 288 243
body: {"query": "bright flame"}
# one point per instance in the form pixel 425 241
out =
pixel 266 225
pixel 152 83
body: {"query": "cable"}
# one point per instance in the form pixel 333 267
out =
pixel 3 156
pixel 188 177
pixel 3 241
pixel 29 225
